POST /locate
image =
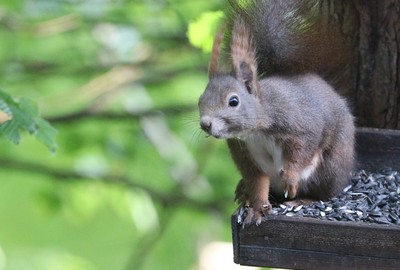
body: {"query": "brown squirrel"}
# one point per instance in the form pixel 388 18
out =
pixel 289 133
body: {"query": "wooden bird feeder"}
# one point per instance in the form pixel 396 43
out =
pixel 310 243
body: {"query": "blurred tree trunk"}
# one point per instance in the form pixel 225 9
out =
pixel 372 80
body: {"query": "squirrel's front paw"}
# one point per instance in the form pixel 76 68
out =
pixel 256 212
pixel 291 190
pixel 291 183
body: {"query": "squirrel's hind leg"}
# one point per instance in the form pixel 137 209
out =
pixel 303 167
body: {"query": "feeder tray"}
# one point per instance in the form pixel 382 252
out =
pixel 309 243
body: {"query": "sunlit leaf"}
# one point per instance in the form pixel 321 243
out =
pixel 201 32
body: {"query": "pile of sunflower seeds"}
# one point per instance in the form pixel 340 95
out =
pixel 371 197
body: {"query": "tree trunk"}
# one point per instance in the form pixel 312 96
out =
pixel 372 34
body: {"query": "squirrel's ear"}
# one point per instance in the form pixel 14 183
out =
pixel 246 74
pixel 213 67
pixel 243 55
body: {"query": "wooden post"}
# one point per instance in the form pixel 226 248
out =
pixel 372 35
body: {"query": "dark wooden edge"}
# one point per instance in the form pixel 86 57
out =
pixel 307 243
pixel 308 260
pixel 235 238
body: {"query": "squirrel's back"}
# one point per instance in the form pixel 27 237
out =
pixel 324 107
pixel 292 36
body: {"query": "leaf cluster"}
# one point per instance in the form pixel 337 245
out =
pixel 24 115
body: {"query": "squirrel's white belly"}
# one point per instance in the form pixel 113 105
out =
pixel 268 155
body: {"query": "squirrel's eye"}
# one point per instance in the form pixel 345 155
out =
pixel 233 101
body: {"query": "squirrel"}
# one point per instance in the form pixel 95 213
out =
pixel 290 134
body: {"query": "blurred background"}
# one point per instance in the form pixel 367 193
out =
pixel 133 183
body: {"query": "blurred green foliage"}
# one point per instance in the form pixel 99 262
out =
pixel 24 115
pixel 134 183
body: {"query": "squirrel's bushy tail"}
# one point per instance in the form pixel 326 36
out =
pixel 291 36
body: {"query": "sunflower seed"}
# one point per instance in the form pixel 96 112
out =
pixel 371 197
pixel 298 208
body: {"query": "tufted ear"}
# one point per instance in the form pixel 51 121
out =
pixel 246 74
pixel 244 55
pixel 213 67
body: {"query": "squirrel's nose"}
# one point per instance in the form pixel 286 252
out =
pixel 205 124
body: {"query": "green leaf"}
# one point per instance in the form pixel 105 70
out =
pixel 46 134
pixel 24 115
pixel 201 32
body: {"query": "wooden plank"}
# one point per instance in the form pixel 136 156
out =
pixel 307 243
pixel 378 149
pixel 325 236
pixel 308 260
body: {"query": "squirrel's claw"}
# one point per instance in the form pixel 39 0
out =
pixel 256 214
pixel 291 183
pixel 291 190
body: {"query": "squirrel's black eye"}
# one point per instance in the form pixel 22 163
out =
pixel 233 101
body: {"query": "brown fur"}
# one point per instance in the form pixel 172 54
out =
pixel 293 37
pixel 242 50
pixel 213 67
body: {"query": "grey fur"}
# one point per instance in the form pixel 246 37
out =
pixel 296 111
pixel 288 133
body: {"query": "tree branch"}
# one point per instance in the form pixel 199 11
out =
pixel 85 114
pixel 173 199
pixel 148 242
